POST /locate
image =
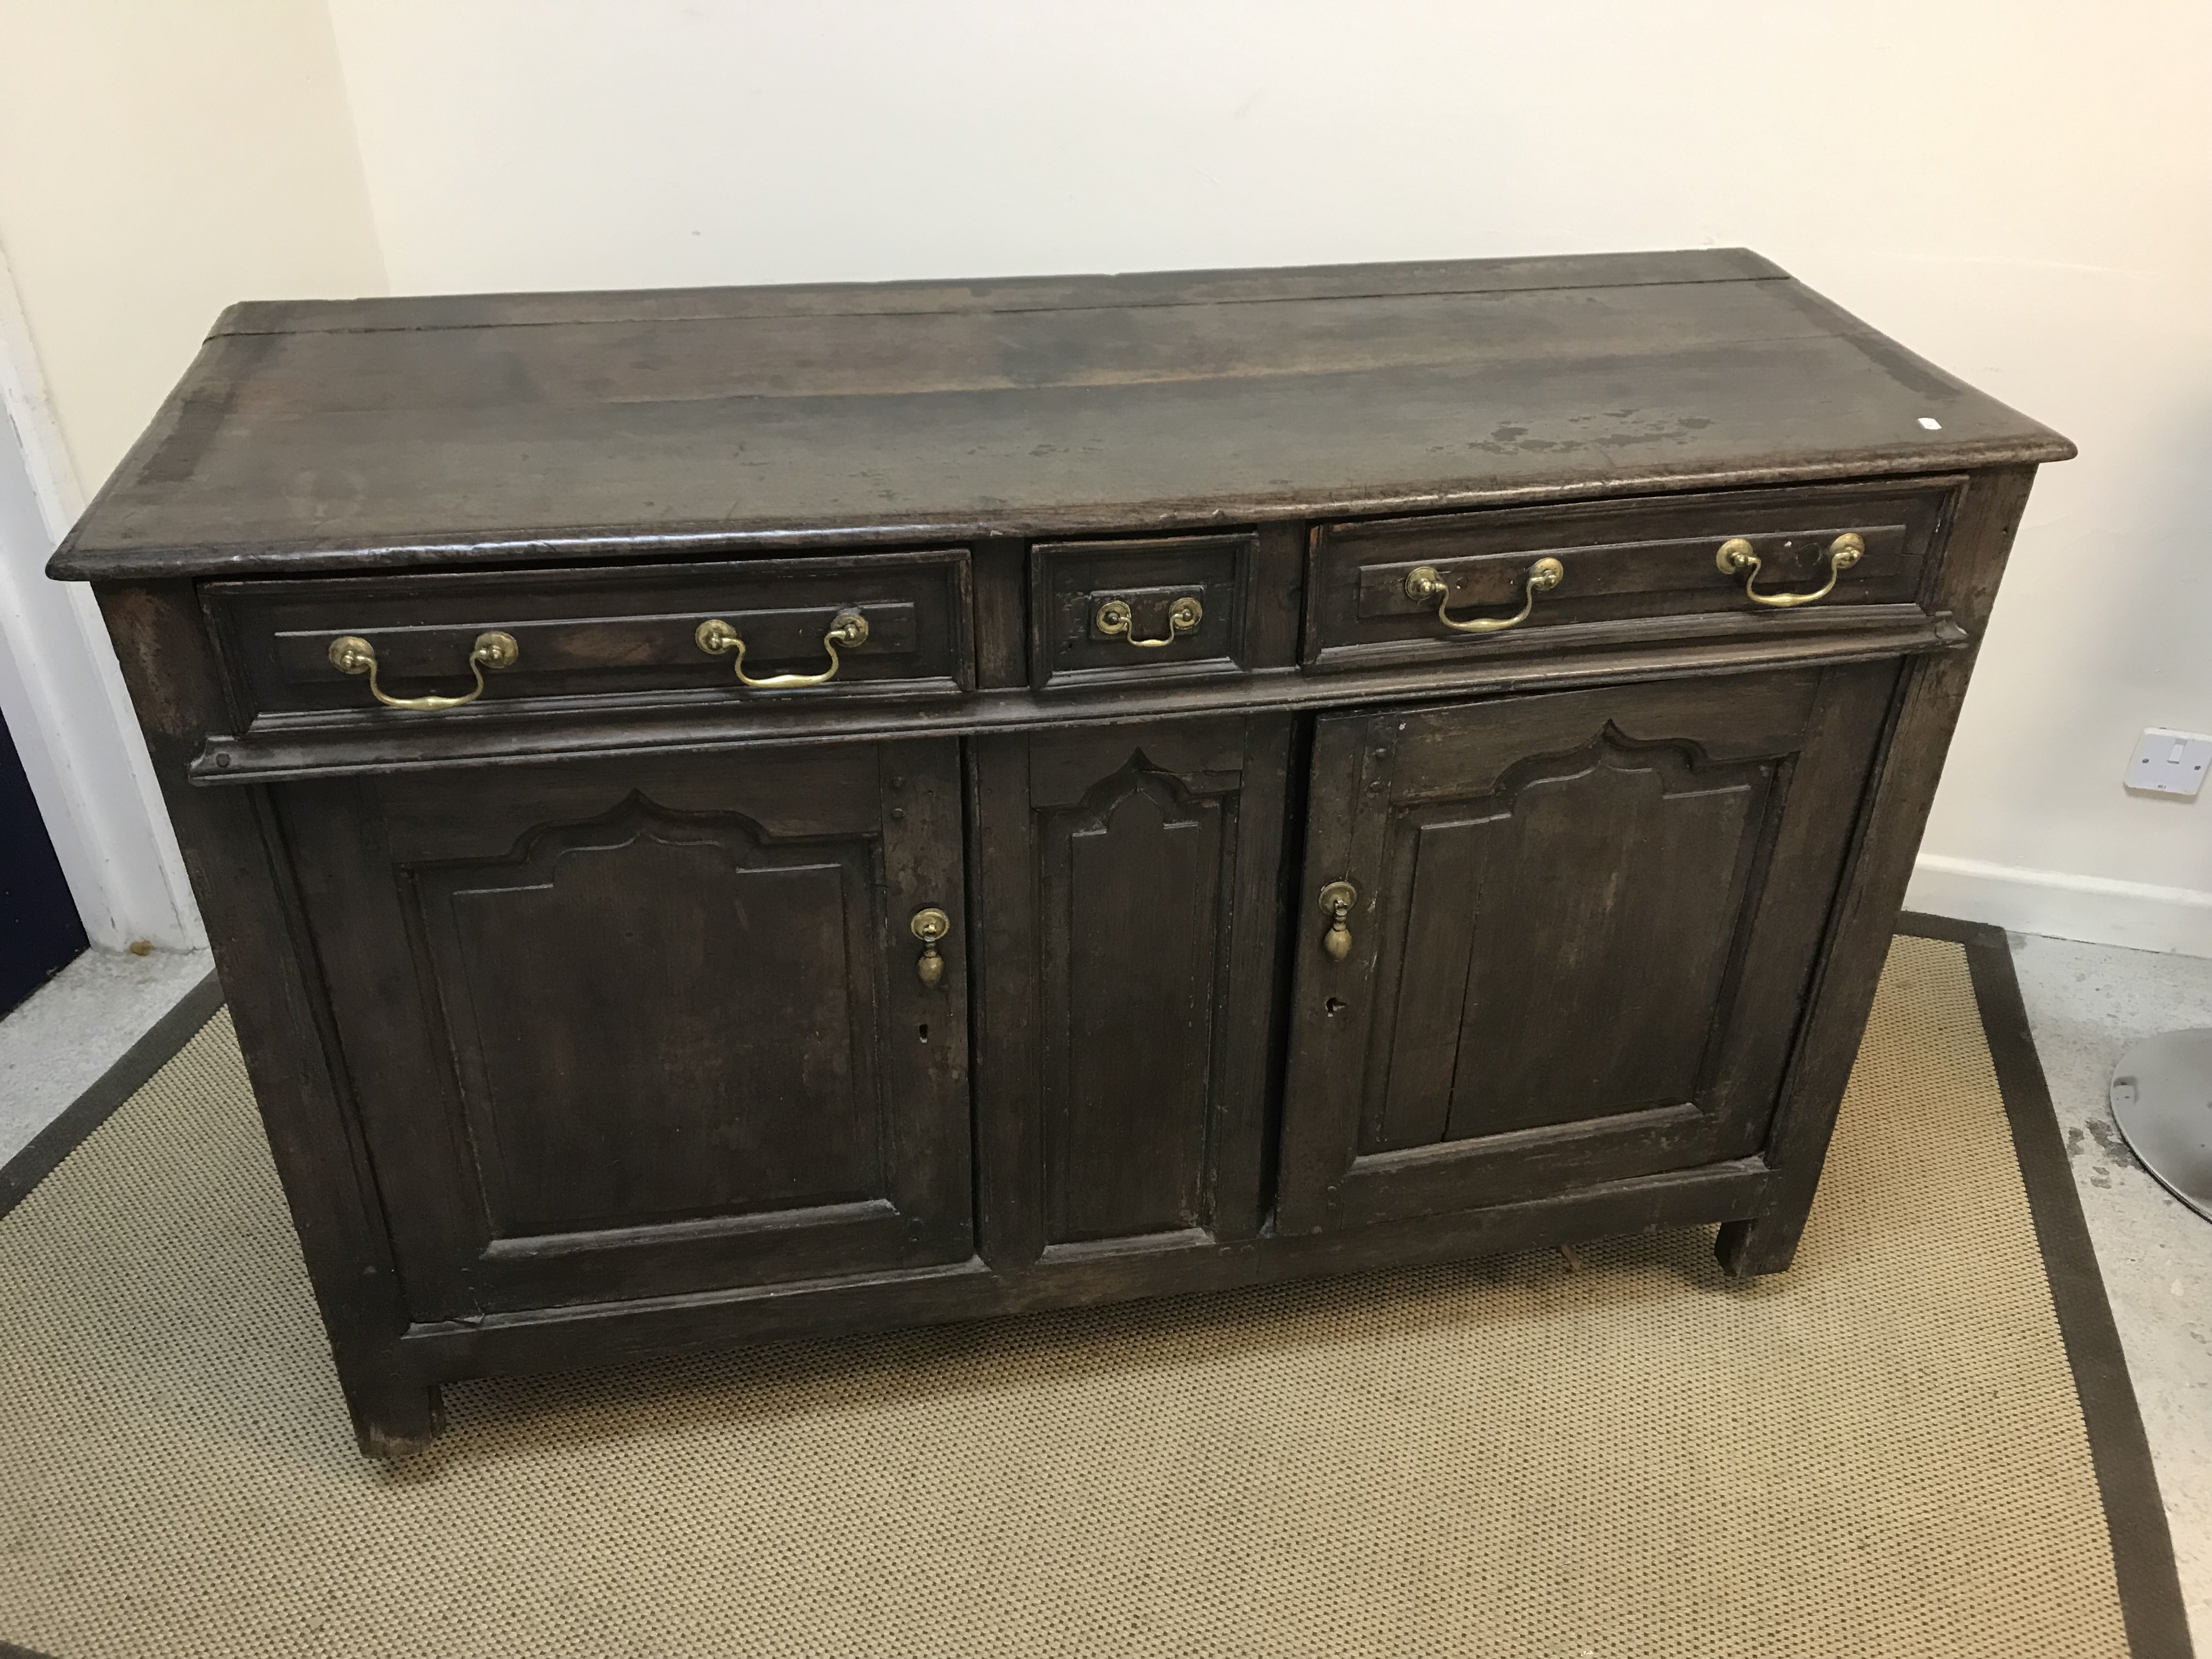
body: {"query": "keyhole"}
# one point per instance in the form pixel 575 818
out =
pixel 923 1029
pixel 1335 1008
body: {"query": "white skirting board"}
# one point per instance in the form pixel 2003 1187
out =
pixel 2095 909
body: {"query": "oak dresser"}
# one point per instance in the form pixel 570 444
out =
pixel 742 811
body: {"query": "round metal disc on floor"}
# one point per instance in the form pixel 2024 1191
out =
pixel 2161 1098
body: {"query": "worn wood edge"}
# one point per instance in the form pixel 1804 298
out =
pixel 243 876
pixel 1900 790
pixel 43 1154
pixel 511 1344
pixel 2143 1564
pixel 75 560
pixel 269 757
pixel 929 295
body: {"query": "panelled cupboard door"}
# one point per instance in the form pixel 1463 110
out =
pixel 1129 886
pixel 1585 929
pixel 641 1027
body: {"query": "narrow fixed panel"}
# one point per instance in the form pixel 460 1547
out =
pixel 1126 1094
pixel 1136 887
pixel 1584 928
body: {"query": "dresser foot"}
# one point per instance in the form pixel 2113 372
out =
pixel 395 1419
pixel 1765 1244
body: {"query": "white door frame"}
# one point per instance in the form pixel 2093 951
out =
pixel 62 692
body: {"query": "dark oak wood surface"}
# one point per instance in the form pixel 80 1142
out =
pixel 613 1013
pixel 1585 929
pixel 1132 884
pixel 631 1028
pixel 362 433
pixel 1631 569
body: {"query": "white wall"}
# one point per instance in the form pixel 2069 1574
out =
pixel 2022 190
pixel 156 162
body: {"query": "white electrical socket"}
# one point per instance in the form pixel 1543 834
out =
pixel 2169 762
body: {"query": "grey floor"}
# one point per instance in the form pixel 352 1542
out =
pixel 2086 1003
pixel 78 1024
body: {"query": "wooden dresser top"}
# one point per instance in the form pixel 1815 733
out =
pixel 383 434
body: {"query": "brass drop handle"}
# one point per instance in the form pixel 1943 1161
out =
pixel 1425 583
pixel 1735 559
pixel 1114 618
pixel 930 925
pixel 1336 902
pixel 847 627
pixel 352 654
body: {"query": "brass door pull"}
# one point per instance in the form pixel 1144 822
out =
pixel 1116 619
pixel 352 654
pixel 1425 583
pixel 930 925
pixel 1336 902
pixel 847 627
pixel 1735 559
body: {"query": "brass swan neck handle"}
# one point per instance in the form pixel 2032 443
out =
pixel 1425 583
pixel 1735 559
pixel 847 627
pixel 1116 621
pixel 349 653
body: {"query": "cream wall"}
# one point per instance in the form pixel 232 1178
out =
pixel 2020 191
pixel 157 161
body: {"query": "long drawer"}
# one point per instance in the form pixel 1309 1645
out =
pixel 646 633
pixel 1462 584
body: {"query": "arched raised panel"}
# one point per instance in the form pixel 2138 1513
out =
pixel 1570 938
pixel 1135 886
pixel 716 986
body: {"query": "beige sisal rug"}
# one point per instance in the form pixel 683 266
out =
pixel 1607 1452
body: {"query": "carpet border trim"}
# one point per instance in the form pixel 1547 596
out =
pixel 2147 1579
pixel 2149 1582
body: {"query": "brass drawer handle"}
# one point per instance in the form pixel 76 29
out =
pixel 1336 902
pixel 1115 618
pixel 1424 584
pixel 847 627
pixel 1735 559
pixel 930 925
pixel 352 654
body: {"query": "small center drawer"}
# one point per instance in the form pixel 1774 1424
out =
pixel 1164 607
pixel 632 633
pixel 1454 584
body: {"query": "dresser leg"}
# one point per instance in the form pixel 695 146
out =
pixel 393 1416
pixel 1765 1244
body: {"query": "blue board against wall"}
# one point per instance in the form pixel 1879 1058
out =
pixel 39 932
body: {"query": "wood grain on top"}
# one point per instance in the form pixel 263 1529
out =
pixel 479 428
